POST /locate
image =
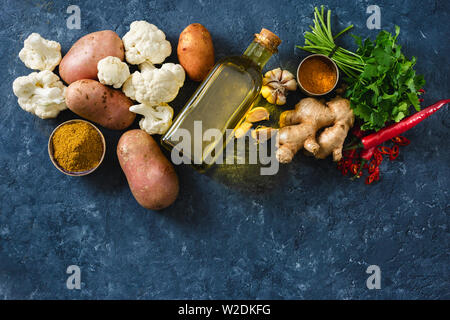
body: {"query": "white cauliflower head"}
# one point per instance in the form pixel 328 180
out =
pixel 40 93
pixel 157 118
pixel 39 53
pixel 145 42
pixel 112 71
pixel 154 86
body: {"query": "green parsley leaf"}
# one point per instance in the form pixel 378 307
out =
pixel 388 84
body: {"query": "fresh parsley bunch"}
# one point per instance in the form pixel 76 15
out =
pixel 388 84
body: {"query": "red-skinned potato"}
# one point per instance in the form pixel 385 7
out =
pixel 151 177
pixel 196 51
pixel 100 104
pixel 81 60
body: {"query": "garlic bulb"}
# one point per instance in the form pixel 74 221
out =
pixel 276 83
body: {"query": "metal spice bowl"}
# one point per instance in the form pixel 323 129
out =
pixel 80 173
pixel 330 62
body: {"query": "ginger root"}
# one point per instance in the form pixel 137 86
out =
pixel 302 128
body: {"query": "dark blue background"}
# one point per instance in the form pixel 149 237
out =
pixel 307 232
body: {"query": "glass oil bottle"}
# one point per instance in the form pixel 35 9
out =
pixel 222 100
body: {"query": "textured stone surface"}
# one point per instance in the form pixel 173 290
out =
pixel 304 233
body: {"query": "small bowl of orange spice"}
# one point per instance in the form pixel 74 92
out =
pixel 76 147
pixel 317 75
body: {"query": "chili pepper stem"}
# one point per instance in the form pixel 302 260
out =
pixel 352 147
pixel 352 141
pixel 358 175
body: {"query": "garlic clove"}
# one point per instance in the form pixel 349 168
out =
pixel 242 129
pixel 291 85
pixel 258 114
pixel 267 93
pixel 281 99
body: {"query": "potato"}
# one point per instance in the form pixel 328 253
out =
pixel 81 60
pixel 195 51
pixel 100 104
pixel 151 177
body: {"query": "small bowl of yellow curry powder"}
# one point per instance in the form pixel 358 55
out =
pixel 76 147
pixel 317 75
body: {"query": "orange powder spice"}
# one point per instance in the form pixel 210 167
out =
pixel 317 75
pixel 77 147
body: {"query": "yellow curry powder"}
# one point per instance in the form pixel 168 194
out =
pixel 317 75
pixel 77 147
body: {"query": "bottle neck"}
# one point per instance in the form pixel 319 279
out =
pixel 258 54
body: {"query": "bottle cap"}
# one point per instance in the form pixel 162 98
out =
pixel 268 39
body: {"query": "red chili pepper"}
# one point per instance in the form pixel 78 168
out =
pixel 370 179
pixel 401 141
pixel 421 92
pixel 365 155
pixel 394 153
pixel 377 138
pixel 347 163
pixel 358 132
pixel 344 171
pixel 354 168
pixel 377 173
pixel 350 153
pixel 384 150
pixel 375 176
pixel 379 158
pixel 372 166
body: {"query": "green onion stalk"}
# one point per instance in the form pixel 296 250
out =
pixel 321 40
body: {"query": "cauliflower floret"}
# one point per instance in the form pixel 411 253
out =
pixel 112 71
pixel 146 66
pixel 177 70
pixel 40 93
pixel 145 42
pixel 40 54
pixel 153 86
pixel 157 118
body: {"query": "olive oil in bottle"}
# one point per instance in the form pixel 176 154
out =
pixel 221 101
